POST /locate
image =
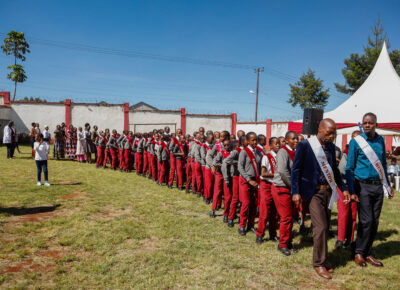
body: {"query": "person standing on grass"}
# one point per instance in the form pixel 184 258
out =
pixel 315 179
pixel 58 143
pixel 8 138
pixel 70 143
pixel 367 179
pixel 46 134
pixel 80 151
pixel 41 151
pixel 32 136
pixel 89 146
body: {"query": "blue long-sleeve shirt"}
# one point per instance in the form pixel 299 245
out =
pixel 358 166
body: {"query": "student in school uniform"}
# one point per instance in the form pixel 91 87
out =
pixel 121 146
pixel 163 158
pixel 197 165
pixel 179 152
pixel 172 164
pixel 112 150
pixel 267 206
pixel 106 151
pixel 249 168
pixel 145 155
pixel 281 192
pixel 232 161
pixel 216 136
pixel 101 145
pixel 218 168
pixel 261 141
pixel 152 157
pixel 138 148
pixel 189 163
pixel 208 176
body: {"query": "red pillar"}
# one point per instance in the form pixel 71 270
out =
pixel 183 121
pixel 269 132
pixel 389 143
pixel 6 98
pixel 344 141
pixel 234 121
pixel 68 112
pixel 126 116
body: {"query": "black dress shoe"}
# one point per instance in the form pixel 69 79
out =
pixel 242 231
pixel 331 234
pixel 259 240
pixel 339 244
pixel 252 229
pixel 275 239
pixel 284 251
pixel 212 214
pixel 187 190
pixel 225 219
pixel 208 201
pixel 199 195
pixel 230 223
pixel 218 208
pixel 291 248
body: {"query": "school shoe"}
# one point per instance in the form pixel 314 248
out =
pixel 259 240
pixel 242 231
pixel 275 239
pixel 169 186
pixel 212 214
pixel 208 200
pixel 46 183
pixel 291 248
pixel 252 229
pixel 230 223
pixel 180 188
pixel 225 219
pixel 339 245
pixel 284 251
pixel 374 262
pixel 199 195
pixel 38 183
pixel 187 190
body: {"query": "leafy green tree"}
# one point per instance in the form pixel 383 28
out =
pixel 32 99
pixel 16 45
pixel 358 67
pixel 308 92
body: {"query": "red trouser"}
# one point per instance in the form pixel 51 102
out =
pixel 235 197
pixel 188 173
pixel 121 158
pixel 106 156
pixel 153 162
pixel 284 205
pixel 194 183
pixel 198 176
pixel 179 172
pixel 127 157
pixel 161 171
pixel 218 188
pixel 139 162
pixel 247 196
pixel 171 169
pixel 208 183
pixel 145 162
pixel 100 156
pixel 267 210
pixel 347 218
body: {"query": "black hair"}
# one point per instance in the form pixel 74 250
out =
pixel 249 134
pixel 394 159
pixel 241 140
pixel 271 140
pixel 87 124
pixel 33 124
pixel 370 115
pixel 288 133
pixel 259 137
pixel 227 134
pixel 40 136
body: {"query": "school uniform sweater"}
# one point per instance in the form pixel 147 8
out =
pixel 245 166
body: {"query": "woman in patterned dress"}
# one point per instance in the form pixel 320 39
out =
pixel 89 145
pixel 70 143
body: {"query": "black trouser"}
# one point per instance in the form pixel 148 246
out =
pixel 369 210
pixel 10 150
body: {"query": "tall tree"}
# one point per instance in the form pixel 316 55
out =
pixel 16 45
pixel 358 67
pixel 308 92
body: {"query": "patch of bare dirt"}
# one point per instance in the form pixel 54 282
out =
pixel 75 194
pixel 53 254
pixel 110 212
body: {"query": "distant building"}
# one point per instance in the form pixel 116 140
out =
pixel 142 106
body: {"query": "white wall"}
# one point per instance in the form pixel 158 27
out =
pixel 104 116
pixel 279 129
pixel 256 128
pixel 146 121
pixel 215 123
pixel 23 114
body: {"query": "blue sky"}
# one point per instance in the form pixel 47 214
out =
pixel 288 36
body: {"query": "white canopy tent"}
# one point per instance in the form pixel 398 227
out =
pixel 379 94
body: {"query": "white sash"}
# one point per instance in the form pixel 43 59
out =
pixel 376 163
pixel 325 168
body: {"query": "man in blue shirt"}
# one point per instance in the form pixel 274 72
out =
pixel 365 187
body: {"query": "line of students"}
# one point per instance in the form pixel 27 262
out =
pixel 218 168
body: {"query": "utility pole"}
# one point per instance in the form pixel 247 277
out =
pixel 257 71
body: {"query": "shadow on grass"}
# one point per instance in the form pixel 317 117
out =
pixel 66 183
pixel 383 235
pixel 387 250
pixel 28 210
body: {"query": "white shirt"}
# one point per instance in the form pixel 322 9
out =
pixel 7 135
pixel 46 134
pixel 265 163
pixel 41 150
pixel 288 147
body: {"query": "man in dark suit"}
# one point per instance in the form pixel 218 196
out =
pixel 310 184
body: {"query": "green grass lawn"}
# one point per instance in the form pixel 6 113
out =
pixel 103 229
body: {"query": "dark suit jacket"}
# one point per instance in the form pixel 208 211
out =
pixel 306 169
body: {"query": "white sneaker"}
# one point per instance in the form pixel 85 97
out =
pixel 39 183
pixel 46 183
